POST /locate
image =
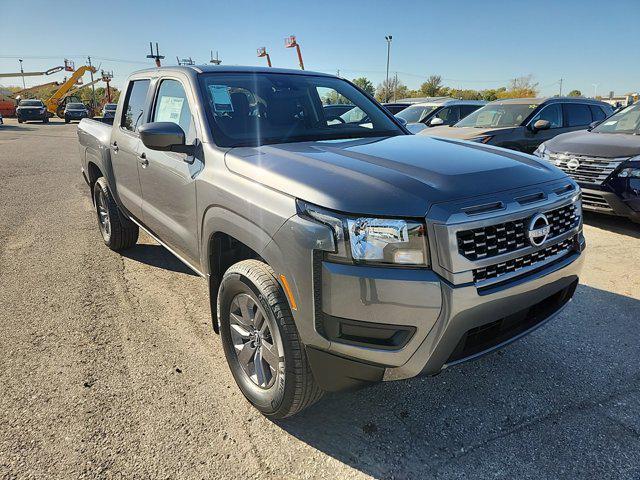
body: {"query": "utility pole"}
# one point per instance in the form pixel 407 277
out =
pixel 262 52
pixel 157 57
pixel 216 61
pixel 93 88
pixel 22 73
pixel 388 38
pixel 291 42
pixel 561 87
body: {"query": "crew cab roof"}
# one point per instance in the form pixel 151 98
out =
pixel 190 69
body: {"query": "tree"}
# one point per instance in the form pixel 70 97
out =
pixel 432 87
pixel 575 93
pixel 521 87
pixel 391 89
pixel 365 84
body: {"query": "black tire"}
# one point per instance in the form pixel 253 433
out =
pixel 66 120
pixel 20 121
pixel 118 232
pixel 294 387
pixel 45 120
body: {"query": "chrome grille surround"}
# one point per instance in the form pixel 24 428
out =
pixel 486 242
pixel 593 170
pixel 559 199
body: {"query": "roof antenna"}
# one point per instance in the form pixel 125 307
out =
pixel 157 57
pixel 215 61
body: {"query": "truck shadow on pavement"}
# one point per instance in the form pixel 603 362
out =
pixel 562 403
pixel 620 225
pixel 157 256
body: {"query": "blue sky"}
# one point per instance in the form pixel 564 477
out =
pixel 471 44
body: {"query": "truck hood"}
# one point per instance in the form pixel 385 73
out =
pixel 399 176
pixel 464 133
pixel 584 142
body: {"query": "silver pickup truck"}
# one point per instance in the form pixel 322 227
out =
pixel 337 253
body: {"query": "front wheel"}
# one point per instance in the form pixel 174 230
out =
pixel 118 232
pixel 261 342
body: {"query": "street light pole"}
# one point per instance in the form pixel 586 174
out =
pixel 595 89
pixel 22 73
pixel 388 38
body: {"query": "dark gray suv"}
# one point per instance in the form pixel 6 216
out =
pixel 524 123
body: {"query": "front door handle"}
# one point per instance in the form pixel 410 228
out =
pixel 143 160
pixel 115 147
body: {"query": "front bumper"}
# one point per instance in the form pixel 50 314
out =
pixel 607 202
pixel 366 323
pixel 31 116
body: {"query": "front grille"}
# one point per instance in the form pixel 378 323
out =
pixel 595 201
pixel 486 242
pixel 585 169
pixel 515 264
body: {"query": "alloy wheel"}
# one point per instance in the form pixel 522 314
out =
pixel 254 345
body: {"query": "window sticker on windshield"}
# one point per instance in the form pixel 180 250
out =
pixel 532 106
pixel 169 109
pixel 221 98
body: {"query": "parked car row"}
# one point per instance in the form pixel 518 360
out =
pixel 596 147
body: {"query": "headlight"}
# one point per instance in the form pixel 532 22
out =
pixel 541 151
pixel 383 241
pixel 481 139
pixel 629 173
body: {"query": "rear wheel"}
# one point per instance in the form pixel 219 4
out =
pixel 20 121
pixel 118 232
pixel 261 342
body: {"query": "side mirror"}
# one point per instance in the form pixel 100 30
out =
pixel 541 125
pixel 593 125
pixel 402 121
pixel 165 137
pixel 435 122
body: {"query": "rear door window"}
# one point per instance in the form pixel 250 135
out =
pixel 577 114
pixel 597 113
pixel 134 112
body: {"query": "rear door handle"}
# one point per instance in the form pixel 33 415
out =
pixel 143 160
pixel 114 145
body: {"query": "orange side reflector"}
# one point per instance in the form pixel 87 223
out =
pixel 287 290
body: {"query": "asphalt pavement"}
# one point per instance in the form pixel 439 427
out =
pixel 109 367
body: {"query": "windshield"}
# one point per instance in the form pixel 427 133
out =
pixel 625 121
pixel 75 106
pixel 31 103
pixel 496 115
pixel 248 109
pixel 416 113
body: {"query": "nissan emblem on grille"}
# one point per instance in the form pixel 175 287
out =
pixel 573 164
pixel 538 230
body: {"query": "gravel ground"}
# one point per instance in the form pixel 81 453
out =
pixel 109 367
